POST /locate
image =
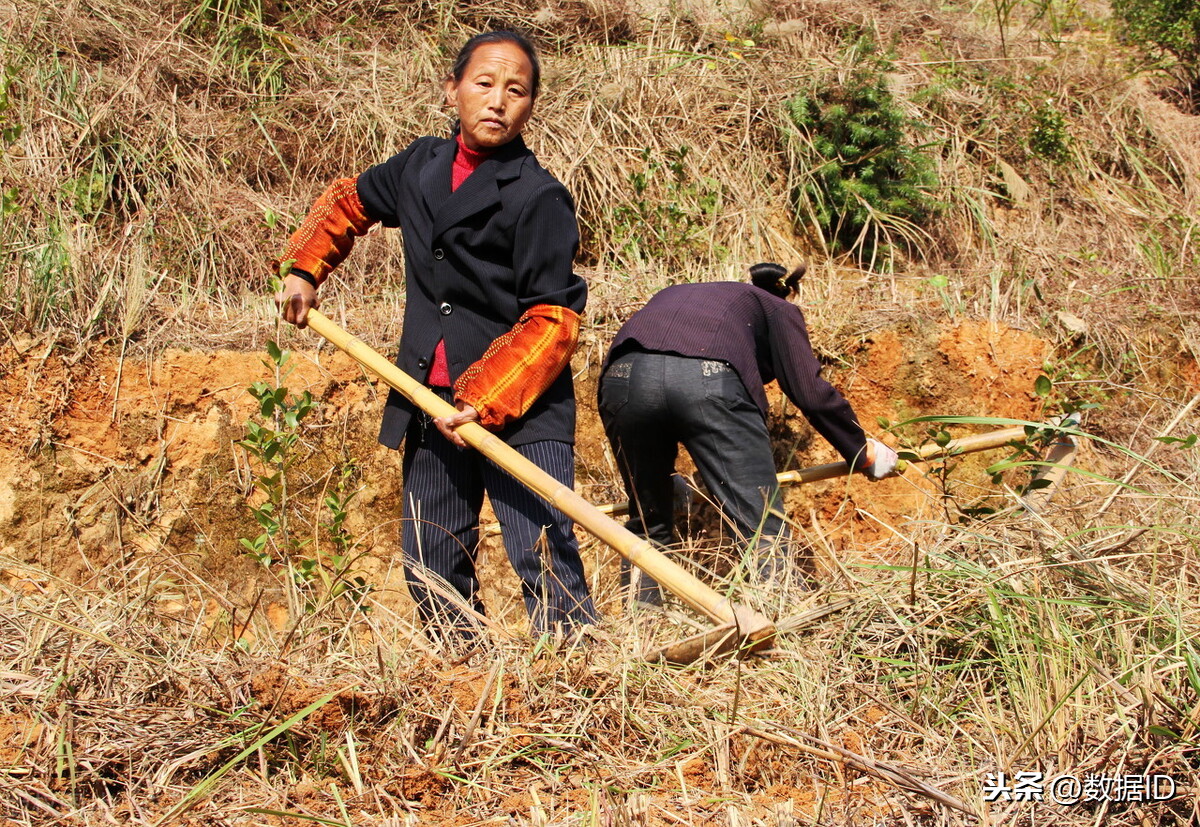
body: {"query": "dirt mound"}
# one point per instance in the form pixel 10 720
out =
pixel 103 459
pixel 969 369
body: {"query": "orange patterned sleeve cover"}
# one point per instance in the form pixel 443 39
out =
pixel 518 367
pixel 327 234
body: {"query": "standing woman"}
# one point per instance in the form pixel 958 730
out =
pixel 690 367
pixel 491 319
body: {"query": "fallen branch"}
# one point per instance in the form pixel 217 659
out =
pixel 879 769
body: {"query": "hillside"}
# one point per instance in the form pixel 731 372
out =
pixel 1020 241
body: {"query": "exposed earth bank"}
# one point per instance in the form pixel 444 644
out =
pixel 104 459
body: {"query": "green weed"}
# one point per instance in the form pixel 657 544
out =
pixel 322 575
pixel 244 41
pixel 670 213
pixel 10 127
pixel 1049 137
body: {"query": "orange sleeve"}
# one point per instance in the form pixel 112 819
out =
pixel 519 366
pixel 328 232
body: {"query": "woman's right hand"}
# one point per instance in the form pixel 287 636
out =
pixel 294 300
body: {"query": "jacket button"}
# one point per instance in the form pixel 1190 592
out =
pixel 439 254
pixel 445 308
pixel 422 363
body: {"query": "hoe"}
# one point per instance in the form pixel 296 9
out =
pixel 738 627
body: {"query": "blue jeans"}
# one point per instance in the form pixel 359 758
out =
pixel 443 494
pixel 651 402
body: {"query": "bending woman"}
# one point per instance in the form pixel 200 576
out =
pixel 690 367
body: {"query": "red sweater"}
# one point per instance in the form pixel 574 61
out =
pixel 466 161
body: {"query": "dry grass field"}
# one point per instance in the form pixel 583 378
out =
pixel 188 639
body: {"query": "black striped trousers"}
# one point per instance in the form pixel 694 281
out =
pixel 443 494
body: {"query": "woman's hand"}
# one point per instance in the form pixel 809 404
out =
pixel 448 424
pixel 882 461
pixel 294 300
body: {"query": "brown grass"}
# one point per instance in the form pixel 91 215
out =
pixel 1053 643
pixel 154 159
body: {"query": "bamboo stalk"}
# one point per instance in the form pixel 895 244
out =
pixel 636 550
pixel 962 445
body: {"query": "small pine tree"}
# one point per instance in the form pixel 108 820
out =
pixel 864 180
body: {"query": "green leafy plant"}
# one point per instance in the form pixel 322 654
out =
pixel 271 439
pixel 1026 453
pixel 1183 443
pixel 10 130
pixel 46 296
pixel 1071 384
pixel 1020 471
pixel 1049 137
pixel 87 193
pixel 1167 28
pixel 334 568
pixel 865 186
pixel 671 211
pixel 270 442
pixel 940 284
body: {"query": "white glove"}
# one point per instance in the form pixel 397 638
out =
pixel 885 462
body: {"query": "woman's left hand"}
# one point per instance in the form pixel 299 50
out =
pixel 448 424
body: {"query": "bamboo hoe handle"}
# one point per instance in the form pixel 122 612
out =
pixel 963 445
pixel 637 551
pixel 832 470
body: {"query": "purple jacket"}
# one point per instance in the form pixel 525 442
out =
pixel 761 336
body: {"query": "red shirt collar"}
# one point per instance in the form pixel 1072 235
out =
pixel 470 156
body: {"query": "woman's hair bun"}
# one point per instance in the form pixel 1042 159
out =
pixel 775 279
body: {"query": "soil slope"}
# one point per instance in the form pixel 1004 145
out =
pixel 102 457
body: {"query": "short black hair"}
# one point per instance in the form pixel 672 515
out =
pixel 502 36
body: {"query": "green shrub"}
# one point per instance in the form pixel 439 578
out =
pixel 1166 27
pixel 1050 138
pixel 670 215
pixel 864 184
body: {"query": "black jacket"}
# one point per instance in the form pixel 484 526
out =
pixel 474 261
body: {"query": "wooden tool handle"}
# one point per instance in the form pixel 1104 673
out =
pixel 637 551
pixel 832 470
pixel 963 445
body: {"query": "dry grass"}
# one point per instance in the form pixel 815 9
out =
pixel 1063 643
pixel 155 157
pixel 169 154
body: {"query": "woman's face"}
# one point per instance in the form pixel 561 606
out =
pixel 494 98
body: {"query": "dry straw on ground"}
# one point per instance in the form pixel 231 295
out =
pixel 1023 642
pixel 153 158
